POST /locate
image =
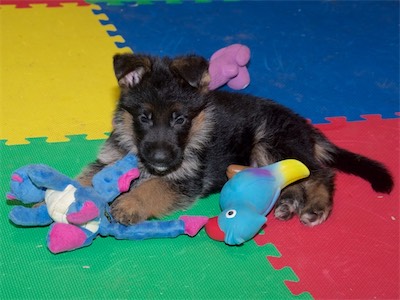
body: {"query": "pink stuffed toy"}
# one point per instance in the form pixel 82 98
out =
pixel 228 66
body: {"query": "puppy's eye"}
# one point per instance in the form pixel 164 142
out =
pixel 178 119
pixel 145 119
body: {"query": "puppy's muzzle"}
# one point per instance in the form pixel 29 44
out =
pixel 161 157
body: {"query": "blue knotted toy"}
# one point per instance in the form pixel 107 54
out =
pixel 79 214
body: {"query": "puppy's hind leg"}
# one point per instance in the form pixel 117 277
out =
pixel 311 199
pixel 290 202
pixel 319 198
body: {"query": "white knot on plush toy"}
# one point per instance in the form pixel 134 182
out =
pixel 59 203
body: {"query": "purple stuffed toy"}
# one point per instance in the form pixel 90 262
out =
pixel 228 66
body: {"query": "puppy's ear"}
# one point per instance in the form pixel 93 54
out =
pixel 193 69
pixel 130 68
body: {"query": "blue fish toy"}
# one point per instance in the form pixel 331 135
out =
pixel 248 197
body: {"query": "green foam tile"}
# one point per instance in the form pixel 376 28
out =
pixel 180 268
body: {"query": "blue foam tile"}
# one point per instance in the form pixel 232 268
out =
pixel 329 58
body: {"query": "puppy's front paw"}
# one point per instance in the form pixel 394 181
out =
pixel 153 198
pixel 127 210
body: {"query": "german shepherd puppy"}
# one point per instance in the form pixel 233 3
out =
pixel 186 136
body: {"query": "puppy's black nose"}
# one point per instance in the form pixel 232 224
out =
pixel 161 156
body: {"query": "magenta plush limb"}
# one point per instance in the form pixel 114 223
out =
pixel 124 182
pixel 193 224
pixel 66 237
pixel 88 212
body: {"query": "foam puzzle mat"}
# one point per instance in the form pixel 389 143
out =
pixel 335 62
pixel 50 64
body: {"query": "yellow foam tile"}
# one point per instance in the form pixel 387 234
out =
pixel 56 75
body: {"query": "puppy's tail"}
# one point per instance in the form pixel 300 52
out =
pixel 373 171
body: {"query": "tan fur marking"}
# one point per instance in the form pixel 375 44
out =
pixel 204 82
pixel 259 154
pixel 319 203
pixel 86 176
pixel 321 154
pixel 152 198
pixel 202 126
pixel 317 191
pixel 124 130
pixel 127 121
pixel 197 124
pixel 290 201
pixel 157 196
pixel 85 179
pixel 109 154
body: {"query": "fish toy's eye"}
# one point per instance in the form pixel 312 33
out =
pixel 230 214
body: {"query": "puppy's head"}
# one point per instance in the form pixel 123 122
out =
pixel 161 109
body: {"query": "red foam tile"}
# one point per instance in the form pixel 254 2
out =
pixel 49 3
pixel 355 253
